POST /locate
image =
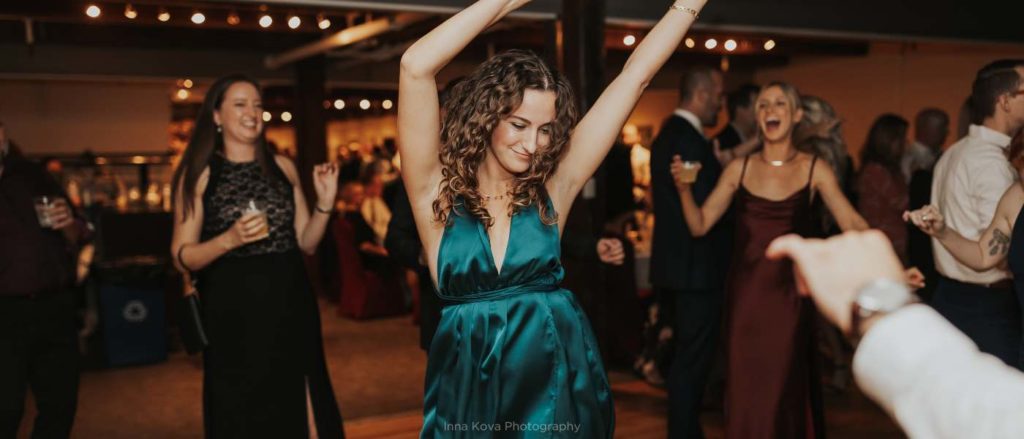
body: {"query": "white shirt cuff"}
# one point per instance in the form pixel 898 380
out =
pixel 898 347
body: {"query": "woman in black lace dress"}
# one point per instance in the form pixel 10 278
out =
pixel 264 364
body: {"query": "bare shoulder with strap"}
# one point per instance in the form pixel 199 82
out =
pixel 810 175
pixel 743 172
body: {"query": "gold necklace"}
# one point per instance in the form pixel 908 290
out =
pixel 778 163
pixel 488 198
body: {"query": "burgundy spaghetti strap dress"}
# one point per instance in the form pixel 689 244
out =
pixel 772 383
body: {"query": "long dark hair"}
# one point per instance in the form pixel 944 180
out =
pixel 206 140
pixel 887 134
pixel 474 107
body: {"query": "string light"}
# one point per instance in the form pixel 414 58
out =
pixel 322 22
pixel 286 116
pixel 266 21
pixel 233 18
pixel 690 43
pixel 130 12
pixel 267 116
pixel 163 15
pixel 182 94
pixel 198 17
pixel 769 45
pixel 187 83
pixel 711 43
pixel 339 104
pixel 730 45
pixel 93 11
pixel 629 40
pixel 294 22
pixel 364 104
pixel 387 104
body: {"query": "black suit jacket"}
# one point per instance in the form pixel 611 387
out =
pixel 619 178
pixel 404 247
pixel 729 138
pixel 678 260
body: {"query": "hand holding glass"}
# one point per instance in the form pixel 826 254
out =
pixel 684 172
pixel 44 207
pixel 260 228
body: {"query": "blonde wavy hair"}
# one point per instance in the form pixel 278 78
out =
pixel 474 108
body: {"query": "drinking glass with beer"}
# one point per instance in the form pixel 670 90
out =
pixel 684 172
pixel 258 208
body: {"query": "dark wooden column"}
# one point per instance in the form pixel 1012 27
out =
pixel 581 56
pixel 310 120
pixel 582 52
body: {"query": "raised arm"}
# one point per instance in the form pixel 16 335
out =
pixel 991 249
pixel 700 219
pixel 597 131
pixel 419 120
pixel 826 184
pixel 310 226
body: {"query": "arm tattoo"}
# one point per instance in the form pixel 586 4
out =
pixel 1000 243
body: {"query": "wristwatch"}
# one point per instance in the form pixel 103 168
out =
pixel 878 298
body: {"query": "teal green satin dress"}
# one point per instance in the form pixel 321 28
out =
pixel 514 355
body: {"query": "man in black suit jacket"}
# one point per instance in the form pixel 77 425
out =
pixel 688 273
pixel 742 120
pixel 404 246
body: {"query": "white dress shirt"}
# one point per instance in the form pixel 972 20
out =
pixel 918 157
pixel 970 178
pixel 640 160
pixel 933 380
pixel 692 119
pixel 376 213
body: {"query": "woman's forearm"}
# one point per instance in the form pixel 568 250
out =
pixel 660 43
pixel 692 213
pixel 196 256
pixel 972 253
pixel 436 49
pixel 314 231
pixel 853 222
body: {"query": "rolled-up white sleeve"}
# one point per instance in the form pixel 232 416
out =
pixel 990 175
pixel 933 380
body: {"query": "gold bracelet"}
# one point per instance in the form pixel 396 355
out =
pixel 686 9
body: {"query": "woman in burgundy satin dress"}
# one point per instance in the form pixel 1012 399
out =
pixel 771 373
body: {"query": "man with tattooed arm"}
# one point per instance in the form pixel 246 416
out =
pixel 969 180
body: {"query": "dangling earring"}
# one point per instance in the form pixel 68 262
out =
pixel 219 129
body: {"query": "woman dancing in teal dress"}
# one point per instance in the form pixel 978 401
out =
pixel 513 355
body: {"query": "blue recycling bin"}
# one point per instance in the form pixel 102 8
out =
pixel 132 272
pixel 134 322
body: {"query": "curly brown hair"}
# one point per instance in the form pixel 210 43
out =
pixel 474 108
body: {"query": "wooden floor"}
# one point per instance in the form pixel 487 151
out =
pixel 640 414
pixel 377 369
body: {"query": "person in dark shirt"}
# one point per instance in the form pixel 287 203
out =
pixel 742 122
pixel 38 346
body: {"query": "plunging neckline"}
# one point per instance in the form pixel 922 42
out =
pixel 490 250
pixel 482 231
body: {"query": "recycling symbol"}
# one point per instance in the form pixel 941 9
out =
pixel 135 311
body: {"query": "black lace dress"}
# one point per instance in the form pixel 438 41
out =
pixel 261 317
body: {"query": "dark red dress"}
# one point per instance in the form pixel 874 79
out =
pixel 771 373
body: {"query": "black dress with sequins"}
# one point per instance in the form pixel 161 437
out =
pixel 261 316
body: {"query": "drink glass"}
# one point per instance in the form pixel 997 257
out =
pixel 44 208
pixel 689 174
pixel 256 207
